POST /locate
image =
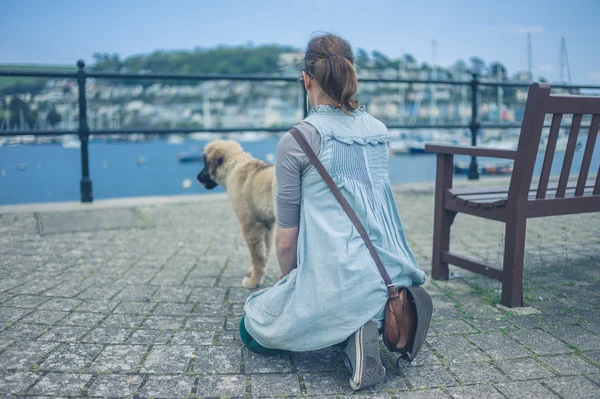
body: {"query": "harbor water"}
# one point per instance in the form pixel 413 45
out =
pixel 50 172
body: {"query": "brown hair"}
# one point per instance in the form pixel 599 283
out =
pixel 329 60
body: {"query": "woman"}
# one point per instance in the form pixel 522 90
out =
pixel 331 291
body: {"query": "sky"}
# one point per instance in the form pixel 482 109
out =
pixel 63 31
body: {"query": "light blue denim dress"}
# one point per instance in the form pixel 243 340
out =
pixel 336 287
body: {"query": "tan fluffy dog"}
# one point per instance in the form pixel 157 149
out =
pixel 251 188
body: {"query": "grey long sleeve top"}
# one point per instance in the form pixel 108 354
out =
pixel 290 164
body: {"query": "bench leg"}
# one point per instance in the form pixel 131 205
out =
pixel 441 242
pixel 514 253
pixel 442 218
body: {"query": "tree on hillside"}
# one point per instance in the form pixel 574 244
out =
pixel 410 60
pixel 362 58
pixel 497 71
pixel 459 70
pixel 21 116
pixel 222 59
pixel 477 65
pixel 106 62
pixel 460 66
pixel 53 118
pixel 33 87
pixel 381 61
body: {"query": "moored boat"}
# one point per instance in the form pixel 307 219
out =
pixel 190 157
pixel 462 168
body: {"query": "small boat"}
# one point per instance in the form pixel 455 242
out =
pixel 70 143
pixel 252 136
pixel 462 168
pixel 417 148
pixel 190 157
pixel 497 170
pixel 398 147
pixel 502 144
pixel 174 139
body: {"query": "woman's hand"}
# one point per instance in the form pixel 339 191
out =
pixel 286 244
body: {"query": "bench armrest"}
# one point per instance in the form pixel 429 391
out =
pixel 472 151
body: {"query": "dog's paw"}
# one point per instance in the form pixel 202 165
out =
pixel 250 270
pixel 249 282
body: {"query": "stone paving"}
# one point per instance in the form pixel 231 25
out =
pixel 144 301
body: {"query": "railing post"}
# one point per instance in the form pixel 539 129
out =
pixel 474 126
pixel 84 135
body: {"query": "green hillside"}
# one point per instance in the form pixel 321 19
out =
pixel 221 59
pixel 22 81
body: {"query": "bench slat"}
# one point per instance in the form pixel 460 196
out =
pixel 496 199
pixel 499 199
pixel 563 206
pixel 572 104
pixel 570 151
pixel 478 190
pixel 470 150
pixel 484 197
pixel 467 191
pixel 587 155
pixel 497 202
pixel 549 156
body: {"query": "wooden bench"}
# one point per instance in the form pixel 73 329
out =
pixel 521 199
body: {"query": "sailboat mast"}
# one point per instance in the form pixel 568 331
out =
pixel 562 60
pixel 529 68
pixel 433 86
pixel 401 70
pixel 500 93
pixel 567 61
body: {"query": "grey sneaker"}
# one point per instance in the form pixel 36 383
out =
pixel 362 357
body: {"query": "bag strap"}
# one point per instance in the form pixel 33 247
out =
pixel 392 292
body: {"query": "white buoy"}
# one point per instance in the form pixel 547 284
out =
pixel 187 183
pixel 21 166
pixel 270 157
pixel 2 172
pixel 141 161
pixel 104 164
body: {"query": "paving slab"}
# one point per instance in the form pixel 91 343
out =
pixel 90 220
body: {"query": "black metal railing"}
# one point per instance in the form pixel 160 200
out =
pixel 84 131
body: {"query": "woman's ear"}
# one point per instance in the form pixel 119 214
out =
pixel 307 80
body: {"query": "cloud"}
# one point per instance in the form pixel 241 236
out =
pixel 594 76
pixel 520 29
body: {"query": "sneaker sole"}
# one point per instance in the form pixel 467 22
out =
pixel 369 363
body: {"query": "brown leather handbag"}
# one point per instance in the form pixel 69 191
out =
pixel 408 309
